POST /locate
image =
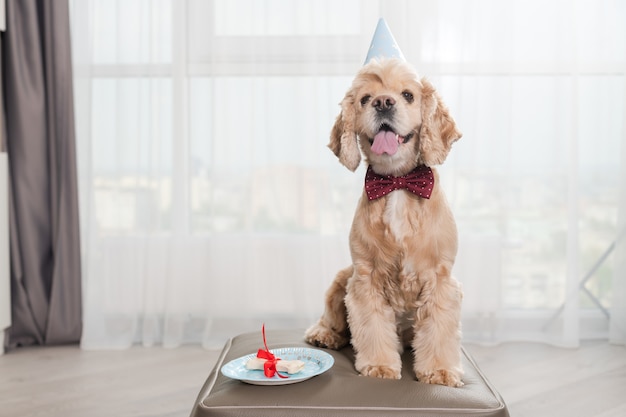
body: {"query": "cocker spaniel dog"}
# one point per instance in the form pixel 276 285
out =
pixel 399 291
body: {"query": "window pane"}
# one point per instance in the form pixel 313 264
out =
pixel 131 153
pixel 259 155
pixel 528 32
pixel 132 31
pixel 509 176
pixel 600 124
pixel 286 17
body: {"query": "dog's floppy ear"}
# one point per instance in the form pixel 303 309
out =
pixel 438 131
pixel 343 136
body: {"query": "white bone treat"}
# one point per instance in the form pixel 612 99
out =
pixel 291 367
pixel 255 363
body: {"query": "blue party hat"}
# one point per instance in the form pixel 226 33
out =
pixel 383 44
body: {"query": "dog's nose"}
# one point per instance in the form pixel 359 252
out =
pixel 383 103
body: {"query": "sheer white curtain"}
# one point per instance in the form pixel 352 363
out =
pixel 210 203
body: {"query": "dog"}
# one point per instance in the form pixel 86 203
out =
pixel 399 291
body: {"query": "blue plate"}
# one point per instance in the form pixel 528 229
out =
pixel 315 362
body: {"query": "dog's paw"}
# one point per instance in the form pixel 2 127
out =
pixel 441 377
pixel 321 336
pixel 381 372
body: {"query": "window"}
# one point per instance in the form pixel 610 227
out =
pixel 202 129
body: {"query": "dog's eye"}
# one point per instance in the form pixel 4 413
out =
pixel 364 100
pixel 408 96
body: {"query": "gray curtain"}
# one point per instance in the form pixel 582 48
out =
pixel 44 223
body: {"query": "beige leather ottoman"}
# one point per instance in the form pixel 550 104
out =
pixel 340 391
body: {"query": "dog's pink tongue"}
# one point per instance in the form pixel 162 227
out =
pixel 385 141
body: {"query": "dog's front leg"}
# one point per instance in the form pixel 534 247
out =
pixel 437 339
pixel 373 328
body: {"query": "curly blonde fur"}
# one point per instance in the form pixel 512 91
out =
pixel 398 290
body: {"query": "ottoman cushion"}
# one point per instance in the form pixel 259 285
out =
pixel 341 391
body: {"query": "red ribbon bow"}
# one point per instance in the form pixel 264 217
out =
pixel 269 367
pixel 420 182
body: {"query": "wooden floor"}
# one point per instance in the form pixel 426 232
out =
pixel 535 380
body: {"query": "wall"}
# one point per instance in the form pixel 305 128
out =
pixel 5 285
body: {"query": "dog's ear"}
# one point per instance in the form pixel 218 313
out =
pixel 343 138
pixel 438 131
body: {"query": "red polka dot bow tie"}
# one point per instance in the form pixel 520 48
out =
pixel 420 182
